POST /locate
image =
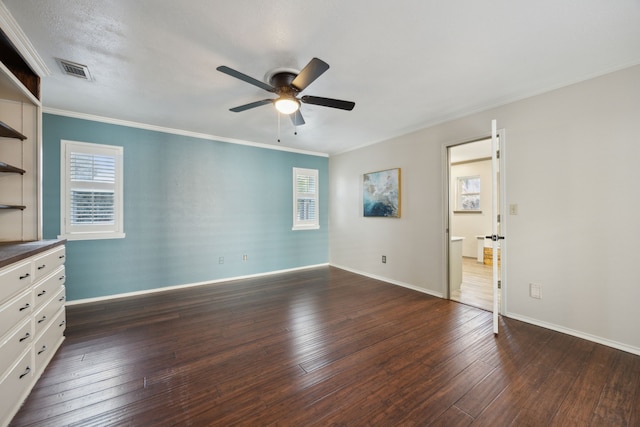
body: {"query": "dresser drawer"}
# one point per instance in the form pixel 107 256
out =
pixel 49 342
pixel 44 316
pixel 14 343
pixel 48 261
pixel 44 290
pixel 13 279
pixel 12 312
pixel 15 385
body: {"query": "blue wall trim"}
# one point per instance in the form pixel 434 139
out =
pixel 187 202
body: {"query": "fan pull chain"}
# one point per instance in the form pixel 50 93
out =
pixel 278 126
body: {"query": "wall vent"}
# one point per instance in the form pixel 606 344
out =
pixel 74 69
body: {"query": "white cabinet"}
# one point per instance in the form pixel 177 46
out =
pixel 455 263
pixel 31 270
pixel 14 278
pixel 13 311
pixel 16 342
pixel 32 317
pixel 15 386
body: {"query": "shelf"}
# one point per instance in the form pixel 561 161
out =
pixel 10 169
pixel 13 207
pixel 9 132
pixel 18 69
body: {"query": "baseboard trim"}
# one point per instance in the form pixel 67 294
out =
pixel 546 325
pixel 391 281
pixel 551 326
pixel 187 285
pixel 578 334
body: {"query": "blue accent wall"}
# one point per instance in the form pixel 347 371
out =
pixel 187 202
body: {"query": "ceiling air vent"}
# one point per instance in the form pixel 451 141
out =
pixel 74 69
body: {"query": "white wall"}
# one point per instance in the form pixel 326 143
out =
pixel 571 166
pixel 470 225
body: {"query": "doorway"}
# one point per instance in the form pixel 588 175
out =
pixel 470 213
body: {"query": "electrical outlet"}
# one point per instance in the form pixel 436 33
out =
pixel 384 259
pixel 244 257
pixel 221 260
pixel 535 290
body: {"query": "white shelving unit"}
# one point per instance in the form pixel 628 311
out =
pixel 20 145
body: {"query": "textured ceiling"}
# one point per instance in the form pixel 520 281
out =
pixel 407 64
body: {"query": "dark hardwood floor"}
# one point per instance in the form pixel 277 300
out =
pixel 323 347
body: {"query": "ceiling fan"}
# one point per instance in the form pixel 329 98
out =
pixel 287 85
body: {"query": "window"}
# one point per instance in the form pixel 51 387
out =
pixel 469 193
pixel 305 199
pixel 91 191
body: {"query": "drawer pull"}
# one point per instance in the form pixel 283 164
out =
pixel 26 306
pixel 26 372
pixel 62 298
pixel 61 278
pixel 42 293
pixel 43 349
pixel 62 323
pixel 25 276
pixel 25 337
pixel 42 266
pixel 61 257
pixel 43 319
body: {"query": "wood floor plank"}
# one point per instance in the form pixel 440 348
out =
pixel 618 397
pixel 508 405
pixel 321 347
pixel 443 397
pixel 580 401
pixel 634 418
pixel 452 417
pixel 385 394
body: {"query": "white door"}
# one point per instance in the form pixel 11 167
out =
pixel 497 229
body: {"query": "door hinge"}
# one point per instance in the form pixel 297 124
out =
pixel 497 154
pixel 498 217
pixel 499 284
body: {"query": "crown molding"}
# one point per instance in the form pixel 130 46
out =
pixel 21 42
pixel 119 122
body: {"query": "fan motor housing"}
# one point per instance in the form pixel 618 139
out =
pixel 282 82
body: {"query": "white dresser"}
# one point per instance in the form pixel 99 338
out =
pixel 32 317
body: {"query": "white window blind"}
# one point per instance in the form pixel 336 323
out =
pixel 93 180
pixel 305 199
pixel 92 191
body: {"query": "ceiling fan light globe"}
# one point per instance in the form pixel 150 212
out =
pixel 287 105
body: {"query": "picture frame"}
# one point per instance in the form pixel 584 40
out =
pixel 381 193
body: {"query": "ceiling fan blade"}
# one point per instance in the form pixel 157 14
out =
pixel 297 119
pixel 328 102
pixel 314 69
pixel 251 105
pixel 245 78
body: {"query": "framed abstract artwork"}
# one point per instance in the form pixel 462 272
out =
pixel 381 193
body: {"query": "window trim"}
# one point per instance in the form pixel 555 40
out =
pixel 306 225
pixel 90 232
